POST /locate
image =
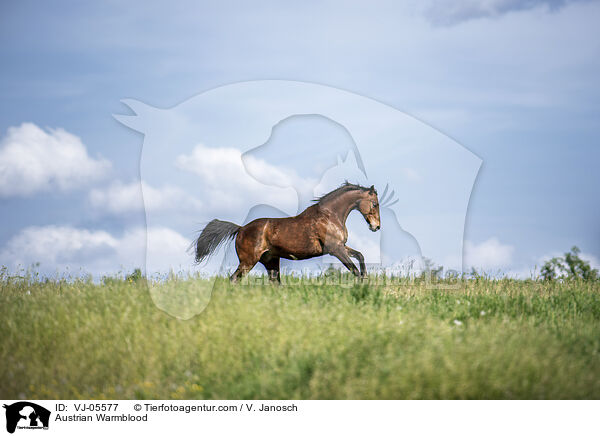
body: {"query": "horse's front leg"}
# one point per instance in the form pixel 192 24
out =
pixel 341 252
pixel 361 260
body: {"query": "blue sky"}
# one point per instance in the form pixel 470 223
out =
pixel 514 82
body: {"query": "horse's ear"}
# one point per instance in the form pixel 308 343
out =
pixel 372 189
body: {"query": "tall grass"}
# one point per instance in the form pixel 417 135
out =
pixel 487 339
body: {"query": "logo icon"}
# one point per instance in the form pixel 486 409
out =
pixel 26 415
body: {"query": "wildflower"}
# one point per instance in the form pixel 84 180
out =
pixel 482 312
pixel 457 322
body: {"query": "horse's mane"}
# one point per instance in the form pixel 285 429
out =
pixel 344 187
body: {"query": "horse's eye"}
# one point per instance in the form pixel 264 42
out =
pixel 374 204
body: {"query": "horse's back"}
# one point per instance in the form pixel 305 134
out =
pixel 297 237
pixel 254 229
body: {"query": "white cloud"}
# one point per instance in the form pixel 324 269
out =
pixel 33 160
pixel 533 269
pixel 489 255
pixel 227 186
pixel 593 260
pixel 411 175
pixel 452 12
pixel 55 245
pixel 273 175
pixel 65 248
pixel 119 198
pixel 166 249
pixel 367 244
pixel 346 169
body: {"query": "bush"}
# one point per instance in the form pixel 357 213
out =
pixel 135 276
pixel 569 267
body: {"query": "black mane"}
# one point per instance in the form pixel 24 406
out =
pixel 344 187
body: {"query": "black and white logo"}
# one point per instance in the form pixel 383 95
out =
pixel 26 415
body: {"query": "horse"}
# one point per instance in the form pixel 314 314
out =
pixel 318 230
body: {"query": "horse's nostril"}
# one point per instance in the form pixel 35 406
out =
pixel 377 228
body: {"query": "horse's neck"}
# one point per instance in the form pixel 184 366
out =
pixel 344 204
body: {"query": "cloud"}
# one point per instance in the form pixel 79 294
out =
pixel 56 245
pixel 65 248
pixel 119 198
pixel 367 244
pixel 489 255
pixel 166 249
pixel 447 13
pixel 227 186
pixel 593 260
pixel 522 272
pixel 346 169
pixel 411 175
pixel 532 270
pixel 33 160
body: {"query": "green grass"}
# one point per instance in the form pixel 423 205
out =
pixel 502 339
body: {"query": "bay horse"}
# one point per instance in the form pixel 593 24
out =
pixel 320 229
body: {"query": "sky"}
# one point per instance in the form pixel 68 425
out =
pixel 513 82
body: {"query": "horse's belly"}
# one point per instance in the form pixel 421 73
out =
pixel 290 256
pixel 298 250
pixel 294 243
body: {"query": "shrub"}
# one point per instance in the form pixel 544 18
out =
pixel 569 267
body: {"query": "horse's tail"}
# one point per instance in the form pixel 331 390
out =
pixel 212 236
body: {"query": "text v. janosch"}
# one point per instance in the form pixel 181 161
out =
pixel 248 407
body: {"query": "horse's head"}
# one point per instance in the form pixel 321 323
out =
pixel 368 206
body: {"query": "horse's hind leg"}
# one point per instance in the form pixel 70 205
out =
pixel 242 269
pixel 246 247
pixel 361 259
pixel 238 274
pixel 246 264
pixel 272 266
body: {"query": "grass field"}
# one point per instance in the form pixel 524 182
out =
pixel 494 339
